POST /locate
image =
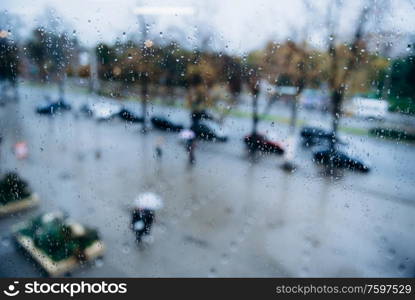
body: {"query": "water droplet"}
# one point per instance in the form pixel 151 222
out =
pixel 125 249
pixel 225 259
pixel 401 267
pixel 99 262
pixel 5 241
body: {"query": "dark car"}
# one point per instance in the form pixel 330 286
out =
pixel 259 142
pixel 309 132
pixel 339 159
pixel 165 124
pixel 207 133
pixel 314 136
pixel 52 108
pixel 86 109
pixel 129 116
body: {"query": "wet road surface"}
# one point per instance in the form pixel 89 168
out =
pixel 225 216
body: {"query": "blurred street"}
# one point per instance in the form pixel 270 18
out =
pixel 224 216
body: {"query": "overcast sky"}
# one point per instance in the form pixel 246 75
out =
pixel 238 26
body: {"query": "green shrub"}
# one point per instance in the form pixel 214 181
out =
pixel 12 188
pixel 54 237
pixel 402 105
pixel 395 134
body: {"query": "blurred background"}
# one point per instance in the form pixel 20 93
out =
pixel 267 139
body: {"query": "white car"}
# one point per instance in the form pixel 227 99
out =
pixel 367 108
pixel 102 110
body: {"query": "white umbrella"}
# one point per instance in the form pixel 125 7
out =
pixel 186 134
pixel 148 201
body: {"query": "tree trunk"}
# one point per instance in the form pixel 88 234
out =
pixel 61 86
pixel 254 115
pixel 387 84
pixel 93 72
pixel 15 87
pixel 337 99
pixel 144 99
pixel 290 150
pixel 294 113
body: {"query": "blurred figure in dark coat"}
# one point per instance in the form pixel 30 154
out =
pixel 142 220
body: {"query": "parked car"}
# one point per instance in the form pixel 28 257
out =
pixel 339 160
pixel 101 110
pixel 86 109
pixel 162 123
pixel 365 108
pixel 129 116
pixel 52 108
pixel 260 142
pixel 315 136
pixel 211 132
pixel 312 136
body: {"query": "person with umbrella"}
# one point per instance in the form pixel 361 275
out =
pixel 189 138
pixel 158 148
pixel 143 213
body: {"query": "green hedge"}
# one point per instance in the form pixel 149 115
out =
pixel 395 134
pixel 402 105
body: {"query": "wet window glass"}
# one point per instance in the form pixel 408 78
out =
pixel 207 138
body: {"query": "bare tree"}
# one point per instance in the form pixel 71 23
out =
pixel 254 89
pixel 9 51
pixel 51 49
pixel 339 74
pixel 144 75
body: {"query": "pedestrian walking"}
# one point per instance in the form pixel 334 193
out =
pixel 191 144
pixel 143 214
pixel 189 138
pixel 142 220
